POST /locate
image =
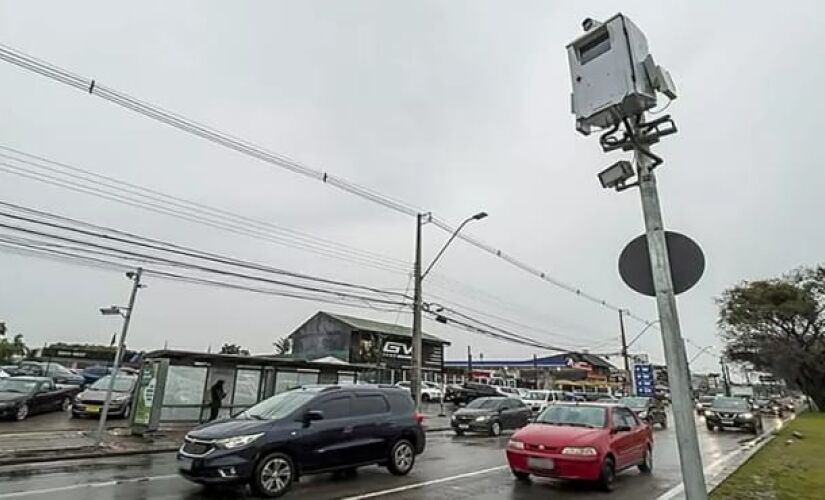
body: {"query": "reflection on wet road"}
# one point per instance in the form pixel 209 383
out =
pixel 451 468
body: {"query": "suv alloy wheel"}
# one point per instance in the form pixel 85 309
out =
pixel 273 475
pixel 402 458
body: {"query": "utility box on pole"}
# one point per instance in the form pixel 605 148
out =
pixel 613 74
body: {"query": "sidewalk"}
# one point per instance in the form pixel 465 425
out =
pixel 46 446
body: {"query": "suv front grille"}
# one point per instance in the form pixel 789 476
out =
pixel 196 447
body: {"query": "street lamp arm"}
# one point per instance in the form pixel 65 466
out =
pixel 477 216
pixel 638 335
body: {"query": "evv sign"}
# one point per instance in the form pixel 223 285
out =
pixel 396 350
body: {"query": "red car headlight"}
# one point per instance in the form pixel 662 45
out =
pixel 580 450
pixel 516 445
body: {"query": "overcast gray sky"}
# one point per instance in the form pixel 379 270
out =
pixel 454 106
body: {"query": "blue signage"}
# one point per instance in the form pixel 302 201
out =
pixel 644 380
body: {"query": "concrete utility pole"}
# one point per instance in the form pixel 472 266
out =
pixel 690 457
pixel 418 277
pixel 127 317
pixel 624 354
pixel 415 373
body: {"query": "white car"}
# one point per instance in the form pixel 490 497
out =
pixel 510 392
pixel 3 374
pixel 538 400
pixel 429 390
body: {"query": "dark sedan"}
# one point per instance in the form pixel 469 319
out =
pixel 89 403
pixel 647 409
pixel 491 416
pixel 23 396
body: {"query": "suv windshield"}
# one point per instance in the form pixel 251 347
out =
pixel 484 403
pixel 634 402
pixel 278 406
pixel 575 415
pixel 730 404
pixel 21 386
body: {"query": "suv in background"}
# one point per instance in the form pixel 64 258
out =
pixel 307 430
pixel 732 412
pixel 55 371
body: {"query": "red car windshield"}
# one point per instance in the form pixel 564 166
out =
pixel 574 415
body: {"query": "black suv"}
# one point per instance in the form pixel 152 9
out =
pixel 305 431
pixel 732 412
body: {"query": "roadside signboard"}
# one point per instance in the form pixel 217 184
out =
pixel 644 380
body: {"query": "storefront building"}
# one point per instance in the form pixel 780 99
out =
pixel 384 347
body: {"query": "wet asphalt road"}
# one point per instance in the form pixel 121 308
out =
pixel 451 468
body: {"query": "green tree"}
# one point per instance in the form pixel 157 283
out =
pixel 9 349
pixel 283 346
pixel 234 349
pixel 778 326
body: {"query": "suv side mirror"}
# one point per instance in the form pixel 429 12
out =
pixel 313 415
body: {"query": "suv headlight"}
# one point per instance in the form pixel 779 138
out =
pixel 482 418
pixel 237 441
pixel 709 413
pixel 579 450
pixel 747 416
pixel 643 414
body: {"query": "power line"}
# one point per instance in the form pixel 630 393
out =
pixel 185 251
pixel 188 210
pixel 91 86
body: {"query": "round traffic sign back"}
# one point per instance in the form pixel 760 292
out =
pixel 687 263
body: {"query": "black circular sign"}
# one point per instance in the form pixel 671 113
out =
pixel 687 263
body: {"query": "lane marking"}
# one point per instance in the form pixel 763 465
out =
pixel 100 484
pixel 424 484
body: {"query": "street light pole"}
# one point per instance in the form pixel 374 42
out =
pixel 127 317
pixel 690 457
pixel 418 276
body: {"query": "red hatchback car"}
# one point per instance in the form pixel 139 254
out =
pixel 581 441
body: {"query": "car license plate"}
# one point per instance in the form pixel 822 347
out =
pixel 540 463
pixel 185 464
pixel 463 426
pixel 727 422
pixel 92 408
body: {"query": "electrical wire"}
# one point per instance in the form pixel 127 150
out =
pixel 49 70
pixel 195 212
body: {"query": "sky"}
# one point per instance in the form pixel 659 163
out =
pixel 455 107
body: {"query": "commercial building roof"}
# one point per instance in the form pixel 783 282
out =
pixel 380 327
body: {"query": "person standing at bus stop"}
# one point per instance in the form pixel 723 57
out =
pixel 217 396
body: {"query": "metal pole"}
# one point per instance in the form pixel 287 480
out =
pixel 535 372
pixel 690 457
pixel 415 378
pixel 469 364
pixel 624 354
pixel 118 353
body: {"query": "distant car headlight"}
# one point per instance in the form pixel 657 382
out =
pixel 237 441
pixel 6 404
pixel 747 416
pixel 516 445
pixel 579 450
pixel 709 413
pixel 452 418
pixel 482 418
pixel 643 414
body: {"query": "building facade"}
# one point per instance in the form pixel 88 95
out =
pixel 385 347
